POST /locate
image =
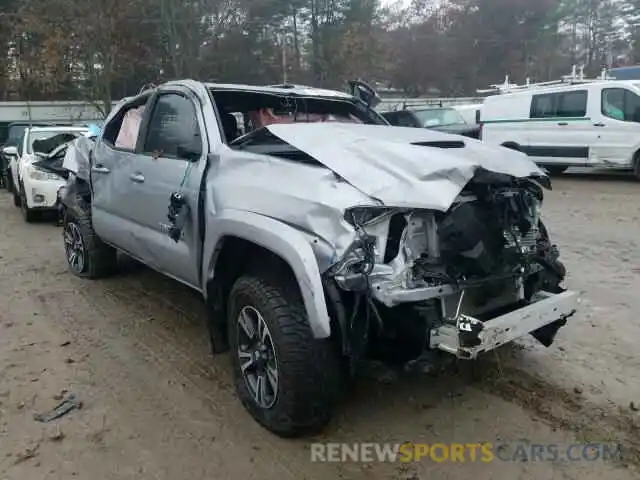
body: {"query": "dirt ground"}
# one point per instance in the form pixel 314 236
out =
pixel 157 406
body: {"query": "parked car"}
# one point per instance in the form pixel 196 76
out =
pixel 320 238
pixel 9 150
pixel 36 190
pixel 594 124
pixel 470 114
pixel 441 119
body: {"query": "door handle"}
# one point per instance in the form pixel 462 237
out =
pixel 599 125
pixel 100 169
pixel 137 177
pixel 563 124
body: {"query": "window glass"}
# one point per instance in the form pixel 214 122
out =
pixel 173 123
pixel 543 106
pixel 631 107
pixel 401 119
pixel 573 104
pixel 39 135
pixel 621 104
pixel 439 117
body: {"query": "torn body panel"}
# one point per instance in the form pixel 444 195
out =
pixel 407 217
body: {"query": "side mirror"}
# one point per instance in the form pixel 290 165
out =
pixel 10 151
pixel 478 116
pixel 364 93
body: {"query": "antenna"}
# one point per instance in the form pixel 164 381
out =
pixel 576 76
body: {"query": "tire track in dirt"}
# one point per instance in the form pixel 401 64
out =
pixel 127 340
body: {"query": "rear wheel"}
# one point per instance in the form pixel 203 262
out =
pixel 556 169
pixel 87 255
pixel 285 378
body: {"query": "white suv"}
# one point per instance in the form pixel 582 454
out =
pixel 36 190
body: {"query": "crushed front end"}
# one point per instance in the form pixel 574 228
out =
pixel 464 281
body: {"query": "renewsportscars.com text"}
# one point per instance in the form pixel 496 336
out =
pixel 465 452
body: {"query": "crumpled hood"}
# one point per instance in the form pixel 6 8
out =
pixel 385 163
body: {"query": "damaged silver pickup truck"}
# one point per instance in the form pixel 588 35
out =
pixel 318 235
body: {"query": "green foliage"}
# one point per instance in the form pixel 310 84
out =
pixel 104 49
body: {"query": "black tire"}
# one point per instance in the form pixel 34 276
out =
pixel 512 146
pixel 28 214
pixel 636 166
pixel 555 169
pixel 12 188
pixel 98 259
pixel 307 370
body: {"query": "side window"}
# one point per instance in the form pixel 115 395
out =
pixel 123 129
pixel 21 145
pixel 401 119
pixel 406 119
pixel 544 105
pixel 621 104
pixel 392 117
pixel 173 127
pixel 572 104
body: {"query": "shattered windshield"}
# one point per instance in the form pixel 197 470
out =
pixel 439 117
pixel 38 136
pixel 243 112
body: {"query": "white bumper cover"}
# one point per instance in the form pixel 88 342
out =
pixel 42 194
pixel 470 337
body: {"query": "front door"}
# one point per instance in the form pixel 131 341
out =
pixel 171 159
pixel 618 131
pixel 113 161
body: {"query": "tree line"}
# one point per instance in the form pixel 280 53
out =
pixel 107 49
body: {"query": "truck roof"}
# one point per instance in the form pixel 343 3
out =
pixel 284 89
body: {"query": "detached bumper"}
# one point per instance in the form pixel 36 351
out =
pixel 470 337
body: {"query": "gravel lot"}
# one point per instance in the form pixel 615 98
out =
pixel 157 406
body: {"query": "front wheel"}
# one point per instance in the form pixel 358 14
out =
pixel 285 378
pixel 87 255
pixel 636 166
pixel 30 215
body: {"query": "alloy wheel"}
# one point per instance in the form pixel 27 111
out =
pixel 74 247
pixel 257 356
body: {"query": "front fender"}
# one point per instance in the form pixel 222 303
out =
pixel 286 242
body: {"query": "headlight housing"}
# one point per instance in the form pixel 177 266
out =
pixel 37 174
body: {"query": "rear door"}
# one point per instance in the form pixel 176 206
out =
pixel 560 130
pixel 172 159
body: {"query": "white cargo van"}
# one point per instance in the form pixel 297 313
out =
pixel 590 124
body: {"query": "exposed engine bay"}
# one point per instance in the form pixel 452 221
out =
pixel 419 270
